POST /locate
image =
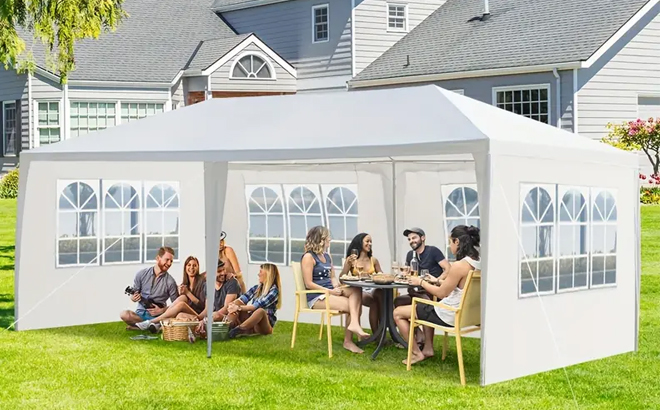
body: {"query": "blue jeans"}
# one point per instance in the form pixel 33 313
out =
pixel 144 314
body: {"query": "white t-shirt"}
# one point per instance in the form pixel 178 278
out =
pixel 454 298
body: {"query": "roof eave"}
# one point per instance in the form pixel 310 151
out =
pixel 245 5
pixel 464 74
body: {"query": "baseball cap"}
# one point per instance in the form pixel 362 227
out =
pixel 221 263
pixel 418 231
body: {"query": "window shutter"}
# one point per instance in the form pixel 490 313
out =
pixel 19 127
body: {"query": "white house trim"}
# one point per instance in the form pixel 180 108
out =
pixel 273 75
pixel 352 40
pixel 2 127
pixel 406 29
pixel 620 33
pixel 252 39
pixel 177 78
pixel 464 74
pixel 65 128
pixel 30 142
pixel 246 5
pixel 576 103
pixel 547 86
pixel 47 74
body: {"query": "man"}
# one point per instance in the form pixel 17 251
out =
pixel 156 284
pixel 429 257
pixel 227 290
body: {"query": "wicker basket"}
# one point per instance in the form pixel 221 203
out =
pixel 383 279
pixel 177 330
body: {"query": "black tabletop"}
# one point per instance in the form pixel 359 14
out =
pixel 364 284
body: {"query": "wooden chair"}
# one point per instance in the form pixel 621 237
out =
pixel 301 307
pixel 468 319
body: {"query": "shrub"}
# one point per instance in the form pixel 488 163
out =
pixel 9 185
pixel 650 195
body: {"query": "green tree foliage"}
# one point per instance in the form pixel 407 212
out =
pixel 58 24
pixel 637 135
pixel 9 185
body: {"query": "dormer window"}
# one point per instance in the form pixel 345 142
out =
pixel 252 66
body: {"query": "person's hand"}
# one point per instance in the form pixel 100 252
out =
pixel 232 308
pixel 414 280
pixel 182 289
pixel 337 291
pixel 156 311
pixel 230 276
pixel 431 279
pixel 351 260
pixel 136 297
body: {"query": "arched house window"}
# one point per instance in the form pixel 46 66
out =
pixel 304 209
pixel 122 240
pixel 604 238
pixel 537 218
pixel 341 206
pixel 461 207
pixel 77 223
pixel 252 66
pixel 266 239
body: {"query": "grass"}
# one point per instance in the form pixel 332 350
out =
pixel 99 367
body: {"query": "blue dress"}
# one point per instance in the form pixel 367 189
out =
pixel 320 276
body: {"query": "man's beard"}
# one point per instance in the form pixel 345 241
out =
pixel 415 246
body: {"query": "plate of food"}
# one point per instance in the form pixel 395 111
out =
pixel 349 277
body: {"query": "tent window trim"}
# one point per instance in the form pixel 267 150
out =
pixel 609 224
pixel 467 216
pixel 77 209
pixel 168 206
pixel 123 208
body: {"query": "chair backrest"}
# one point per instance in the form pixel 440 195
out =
pixel 300 282
pixel 469 313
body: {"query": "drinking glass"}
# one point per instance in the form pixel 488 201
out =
pixel 423 273
pixel 360 270
pixel 395 267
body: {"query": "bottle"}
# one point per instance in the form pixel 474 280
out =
pixel 414 265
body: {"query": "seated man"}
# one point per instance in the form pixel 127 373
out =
pixel 153 283
pixel 227 290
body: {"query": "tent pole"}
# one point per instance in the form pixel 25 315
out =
pixel 394 212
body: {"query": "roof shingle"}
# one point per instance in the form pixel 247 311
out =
pixel 211 51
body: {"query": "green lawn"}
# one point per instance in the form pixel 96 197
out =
pixel 99 367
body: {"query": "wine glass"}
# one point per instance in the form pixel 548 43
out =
pixel 360 270
pixel 395 266
pixel 423 273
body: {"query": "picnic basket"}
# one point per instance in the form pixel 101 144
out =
pixel 177 330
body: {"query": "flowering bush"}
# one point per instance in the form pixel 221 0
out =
pixel 638 135
pixel 9 185
pixel 650 195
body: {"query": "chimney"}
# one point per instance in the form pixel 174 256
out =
pixel 486 15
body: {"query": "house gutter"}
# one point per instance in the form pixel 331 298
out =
pixel 558 103
pixel 575 100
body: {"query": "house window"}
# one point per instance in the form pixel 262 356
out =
pixel 9 127
pixel 537 229
pixel 77 223
pixel 397 17
pixel 304 213
pixel 604 236
pixel 251 66
pixel 573 243
pixel 532 102
pixel 121 223
pixel 135 111
pixel 266 240
pixel 161 222
pixel 320 23
pixel 461 208
pixel 91 116
pixel 48 123
pixel 341 208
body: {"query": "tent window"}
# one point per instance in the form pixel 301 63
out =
pixel 266 225
pixel 251 66
pixel 529 101
pixel 604 236
pixel 461 207
pixel 77 223
pixel 537 230
pixel 341 208
pixel 573 242
pixel 91 116
pixel 304 213
pixel 122 239
pixel 161 218
pixel 135 111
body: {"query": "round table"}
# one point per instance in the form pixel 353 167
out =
pixel 386 314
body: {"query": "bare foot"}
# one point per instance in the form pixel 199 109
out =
pixel 414 359
pixel 357 330
pixel 428 353
pixel 352 347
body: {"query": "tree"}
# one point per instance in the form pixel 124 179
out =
pixel 637 135
pixel 58 24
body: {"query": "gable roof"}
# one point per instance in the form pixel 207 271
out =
pixel 231 5
pixel 153 44
pixel 210 51
pixel 519 33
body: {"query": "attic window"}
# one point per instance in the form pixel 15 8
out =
pixel 251 66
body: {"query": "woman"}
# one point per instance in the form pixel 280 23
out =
pixel 372 299
pixel 256 310
pixel 191 301
pixel 228 256
pixel 464 243
pixel 318 274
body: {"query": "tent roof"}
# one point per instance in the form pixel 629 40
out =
pixel 423 120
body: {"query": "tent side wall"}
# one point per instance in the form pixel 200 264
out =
pixel 530 334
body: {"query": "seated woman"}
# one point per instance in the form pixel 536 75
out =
pixel 191 300
pixel 256 310
pixel 318 273
pixel 371 298
pixel 464 243
pixel 228 256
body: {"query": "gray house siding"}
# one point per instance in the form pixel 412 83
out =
pixel 284 82
pixel 611 89
pixel 372 37
pixel 45 89
pixel 287 29
pixel 178 99
pixel 14 87
pixel 118 94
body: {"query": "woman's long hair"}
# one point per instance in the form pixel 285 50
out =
pixel 468 241
pixel 272 279
pixel 358 243
pixel 315 240
pixel 198 277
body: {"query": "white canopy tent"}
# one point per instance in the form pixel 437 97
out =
pixel 551 205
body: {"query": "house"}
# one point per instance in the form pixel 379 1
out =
pixel 575 64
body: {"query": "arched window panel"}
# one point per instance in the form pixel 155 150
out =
pixel 161 218
pixel 460 207
pixel 252 66
pixel 573 239
pixel 304 208
pixel 266 229
pixel 122 236
pixel 603 237
pixel 341 209
pixel 77 223
pixel 537 221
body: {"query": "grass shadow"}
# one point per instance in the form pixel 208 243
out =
pixel 6 317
